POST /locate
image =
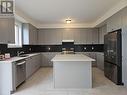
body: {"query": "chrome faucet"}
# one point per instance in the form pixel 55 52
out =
pixel 19 53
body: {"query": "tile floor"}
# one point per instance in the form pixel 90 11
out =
pixel 41 83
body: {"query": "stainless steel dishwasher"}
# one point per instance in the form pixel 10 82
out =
pixel 20 72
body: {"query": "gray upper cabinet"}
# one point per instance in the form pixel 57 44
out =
pixel 30 34
pixel 7 31
pixel 102 32
pixel 92 36
pixel 95 36
pixel 77 37
pixel 114 22
pixel 49 36
pixel 55 36
pixel 68 34
pixel 89 37
pixel 83 36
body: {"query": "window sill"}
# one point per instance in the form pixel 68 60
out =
pixel 14 46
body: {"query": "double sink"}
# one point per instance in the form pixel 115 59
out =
pixel 23 55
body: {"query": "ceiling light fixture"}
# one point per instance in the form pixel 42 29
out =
pixel 68 21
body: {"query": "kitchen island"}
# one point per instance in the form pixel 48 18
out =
pixel 72 71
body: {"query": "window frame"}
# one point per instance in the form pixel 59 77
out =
pixel 17 44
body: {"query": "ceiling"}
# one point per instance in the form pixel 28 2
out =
pixel 55 12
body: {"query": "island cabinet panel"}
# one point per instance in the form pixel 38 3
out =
pixel 72 71
pixel 6 80
pixel 47 57
pixel 72 74
pixel 7 31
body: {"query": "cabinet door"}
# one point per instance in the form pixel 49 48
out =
pixel 68 34
pixel 28 67
pixel 47 57
pixel 11 31
pixel 87 54
pixel 41 40
pixel 48 37
pixel 32 64
pixel 100 61
pixel 77 37
pixel 114 22
pixel 89 37
pixel 31 35
pixel 58 37
pixel 45 60
pixel 93 55
pixel 102 32
pixel 11 34
pixel 3 30
pixel 83 37
pixel 52 37
pixel 37 62
pixel 95 36
pixel 7 32
pixel 110 24
pixel 33 38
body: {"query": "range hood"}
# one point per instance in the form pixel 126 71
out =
pixel 67 40
pixel 67 46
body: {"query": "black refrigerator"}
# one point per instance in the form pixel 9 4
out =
pixel 113 56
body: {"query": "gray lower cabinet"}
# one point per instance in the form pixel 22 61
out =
pixel 7 33
pixel 99 57
pixel 100 61
pixel 33 63
pixel 47 57
pixel 92 55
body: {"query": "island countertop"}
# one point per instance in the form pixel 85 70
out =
pixel 72 57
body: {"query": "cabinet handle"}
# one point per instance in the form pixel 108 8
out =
pixel 21 63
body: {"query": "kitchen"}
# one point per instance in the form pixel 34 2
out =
pixel 29 49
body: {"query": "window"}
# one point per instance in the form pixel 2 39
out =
pixel 18 36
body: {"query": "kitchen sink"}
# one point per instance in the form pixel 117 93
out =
pixel 23 55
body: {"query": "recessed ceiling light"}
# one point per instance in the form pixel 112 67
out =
pixel 68 21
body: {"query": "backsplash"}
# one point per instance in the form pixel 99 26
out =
pixel 50 48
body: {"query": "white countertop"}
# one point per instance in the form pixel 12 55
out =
pixel 72 57
pixel 13 59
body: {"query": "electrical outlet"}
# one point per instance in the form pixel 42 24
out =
pixel 29 49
